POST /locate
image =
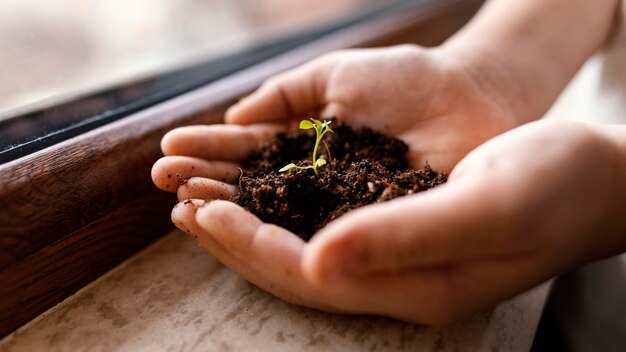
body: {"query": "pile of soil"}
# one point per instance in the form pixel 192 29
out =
pixel 363 167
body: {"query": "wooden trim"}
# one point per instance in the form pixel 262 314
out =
pixel 73 211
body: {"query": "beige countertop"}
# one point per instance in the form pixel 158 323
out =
pixel 175 297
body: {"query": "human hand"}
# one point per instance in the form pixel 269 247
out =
pixel 518 210
pixel 430 98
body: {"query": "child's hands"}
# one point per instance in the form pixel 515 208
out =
pixel 427 97
pixel 431 258
pixel 515 212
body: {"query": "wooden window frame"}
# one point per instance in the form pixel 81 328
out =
pixel 74 210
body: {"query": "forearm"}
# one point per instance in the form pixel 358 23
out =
pixel 530 49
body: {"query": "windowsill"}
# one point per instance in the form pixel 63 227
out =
pixel 174 296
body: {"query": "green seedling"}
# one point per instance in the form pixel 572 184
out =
pixel 321 128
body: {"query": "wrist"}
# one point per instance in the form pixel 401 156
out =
pixel 531 49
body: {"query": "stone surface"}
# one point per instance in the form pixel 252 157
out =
pixel 175 297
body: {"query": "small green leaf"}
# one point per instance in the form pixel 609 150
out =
pixel 320 129
pixel 305 125
pixel 320 162
pixel 287 167
pixel 318 124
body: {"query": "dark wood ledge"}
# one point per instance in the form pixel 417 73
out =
pixel 73 211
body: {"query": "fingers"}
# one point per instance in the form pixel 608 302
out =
pixel 444 294
pixel 448 224
pixel 251 239
pixel 206 189
pixel 270 257
pixel 277 256
pixel 183 212
pixel 184 217
pixel 287 95
pixel 217 142
pixel 267 256
pixel 271 254
pixel 169 172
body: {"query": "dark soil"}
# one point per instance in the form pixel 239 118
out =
pixel 365 167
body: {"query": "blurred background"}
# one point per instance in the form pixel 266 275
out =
pixel 52 51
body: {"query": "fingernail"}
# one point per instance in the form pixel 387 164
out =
pixel 178 213
pixel 195 203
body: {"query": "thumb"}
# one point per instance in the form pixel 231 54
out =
pixel 453 222
pixel 292 93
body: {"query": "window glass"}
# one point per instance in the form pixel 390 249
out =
pixel 51 51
